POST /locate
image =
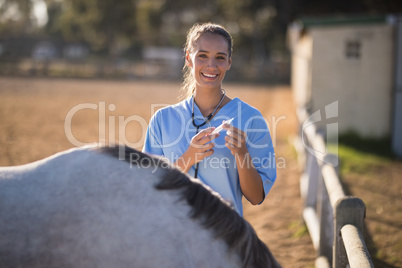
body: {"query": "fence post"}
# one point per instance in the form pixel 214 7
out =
pixel 310 199
pixel 325 215
pixel 314 174
pixel 348 210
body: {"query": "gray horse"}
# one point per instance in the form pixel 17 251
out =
pixel 85 208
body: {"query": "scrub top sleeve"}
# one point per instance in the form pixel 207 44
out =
pixel 153 138
pixel 260 147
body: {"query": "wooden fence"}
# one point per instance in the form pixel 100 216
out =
pixel 335 221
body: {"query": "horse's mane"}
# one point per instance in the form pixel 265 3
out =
pixel 208 209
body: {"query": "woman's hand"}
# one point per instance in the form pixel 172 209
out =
pixel 200 147
pixel 235 140
pixel 250 180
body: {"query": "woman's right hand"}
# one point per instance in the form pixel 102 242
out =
pixel 199 148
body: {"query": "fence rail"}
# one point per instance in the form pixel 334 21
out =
pixel 335 221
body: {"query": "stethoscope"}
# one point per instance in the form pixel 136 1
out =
pixel 206 120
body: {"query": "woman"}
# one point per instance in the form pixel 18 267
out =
pixel 235 162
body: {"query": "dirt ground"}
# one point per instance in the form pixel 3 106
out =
pixel 33 114
pixel 381 189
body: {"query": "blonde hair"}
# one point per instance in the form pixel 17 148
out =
pixel 195 32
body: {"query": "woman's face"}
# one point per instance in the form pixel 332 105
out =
pixel 209 60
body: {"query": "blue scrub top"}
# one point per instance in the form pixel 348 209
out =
pixel 171 129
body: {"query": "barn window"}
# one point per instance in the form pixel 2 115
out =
pixel 353 49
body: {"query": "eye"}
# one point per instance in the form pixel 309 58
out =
pixel 202 56
pixel 221 58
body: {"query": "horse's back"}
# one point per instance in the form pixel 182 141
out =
pixel 82 208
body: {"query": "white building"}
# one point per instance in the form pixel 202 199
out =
pixel 352 61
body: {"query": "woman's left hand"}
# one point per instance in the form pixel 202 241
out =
pixel 235 140
pixel 250 180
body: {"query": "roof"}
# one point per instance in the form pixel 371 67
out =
pixel 300 27
pixel 307 22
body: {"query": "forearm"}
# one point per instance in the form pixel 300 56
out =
pixel 250 180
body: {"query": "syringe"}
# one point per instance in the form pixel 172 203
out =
pixel 220 127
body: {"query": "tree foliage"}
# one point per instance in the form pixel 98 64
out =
pixel 103 24
pixel 258 26
pixel 15 17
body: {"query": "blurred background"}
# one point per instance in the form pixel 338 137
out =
pixel 138 39
pixel 57 54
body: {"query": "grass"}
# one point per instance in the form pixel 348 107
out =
pixel 381 147
pixel 355 161
pixel 298 228
pixel 362 155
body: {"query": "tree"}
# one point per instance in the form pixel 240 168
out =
pixel 15 17
pixel 103 24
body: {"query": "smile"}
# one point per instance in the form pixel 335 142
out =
pixel 209 75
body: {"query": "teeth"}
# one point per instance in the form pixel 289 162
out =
pixel 210 75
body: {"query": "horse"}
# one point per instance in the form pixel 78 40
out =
pixel 85 208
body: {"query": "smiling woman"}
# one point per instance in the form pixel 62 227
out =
pixel 184 133
pixel 209 60
pixel 193 38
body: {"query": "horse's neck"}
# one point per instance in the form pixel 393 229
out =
pixel 87 208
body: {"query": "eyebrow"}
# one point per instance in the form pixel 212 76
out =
pixel 220 53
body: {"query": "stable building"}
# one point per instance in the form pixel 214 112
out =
pixel 356 62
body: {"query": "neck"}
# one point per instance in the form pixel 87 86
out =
pixel 208 101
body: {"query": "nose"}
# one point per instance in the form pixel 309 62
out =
pixel 211 63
